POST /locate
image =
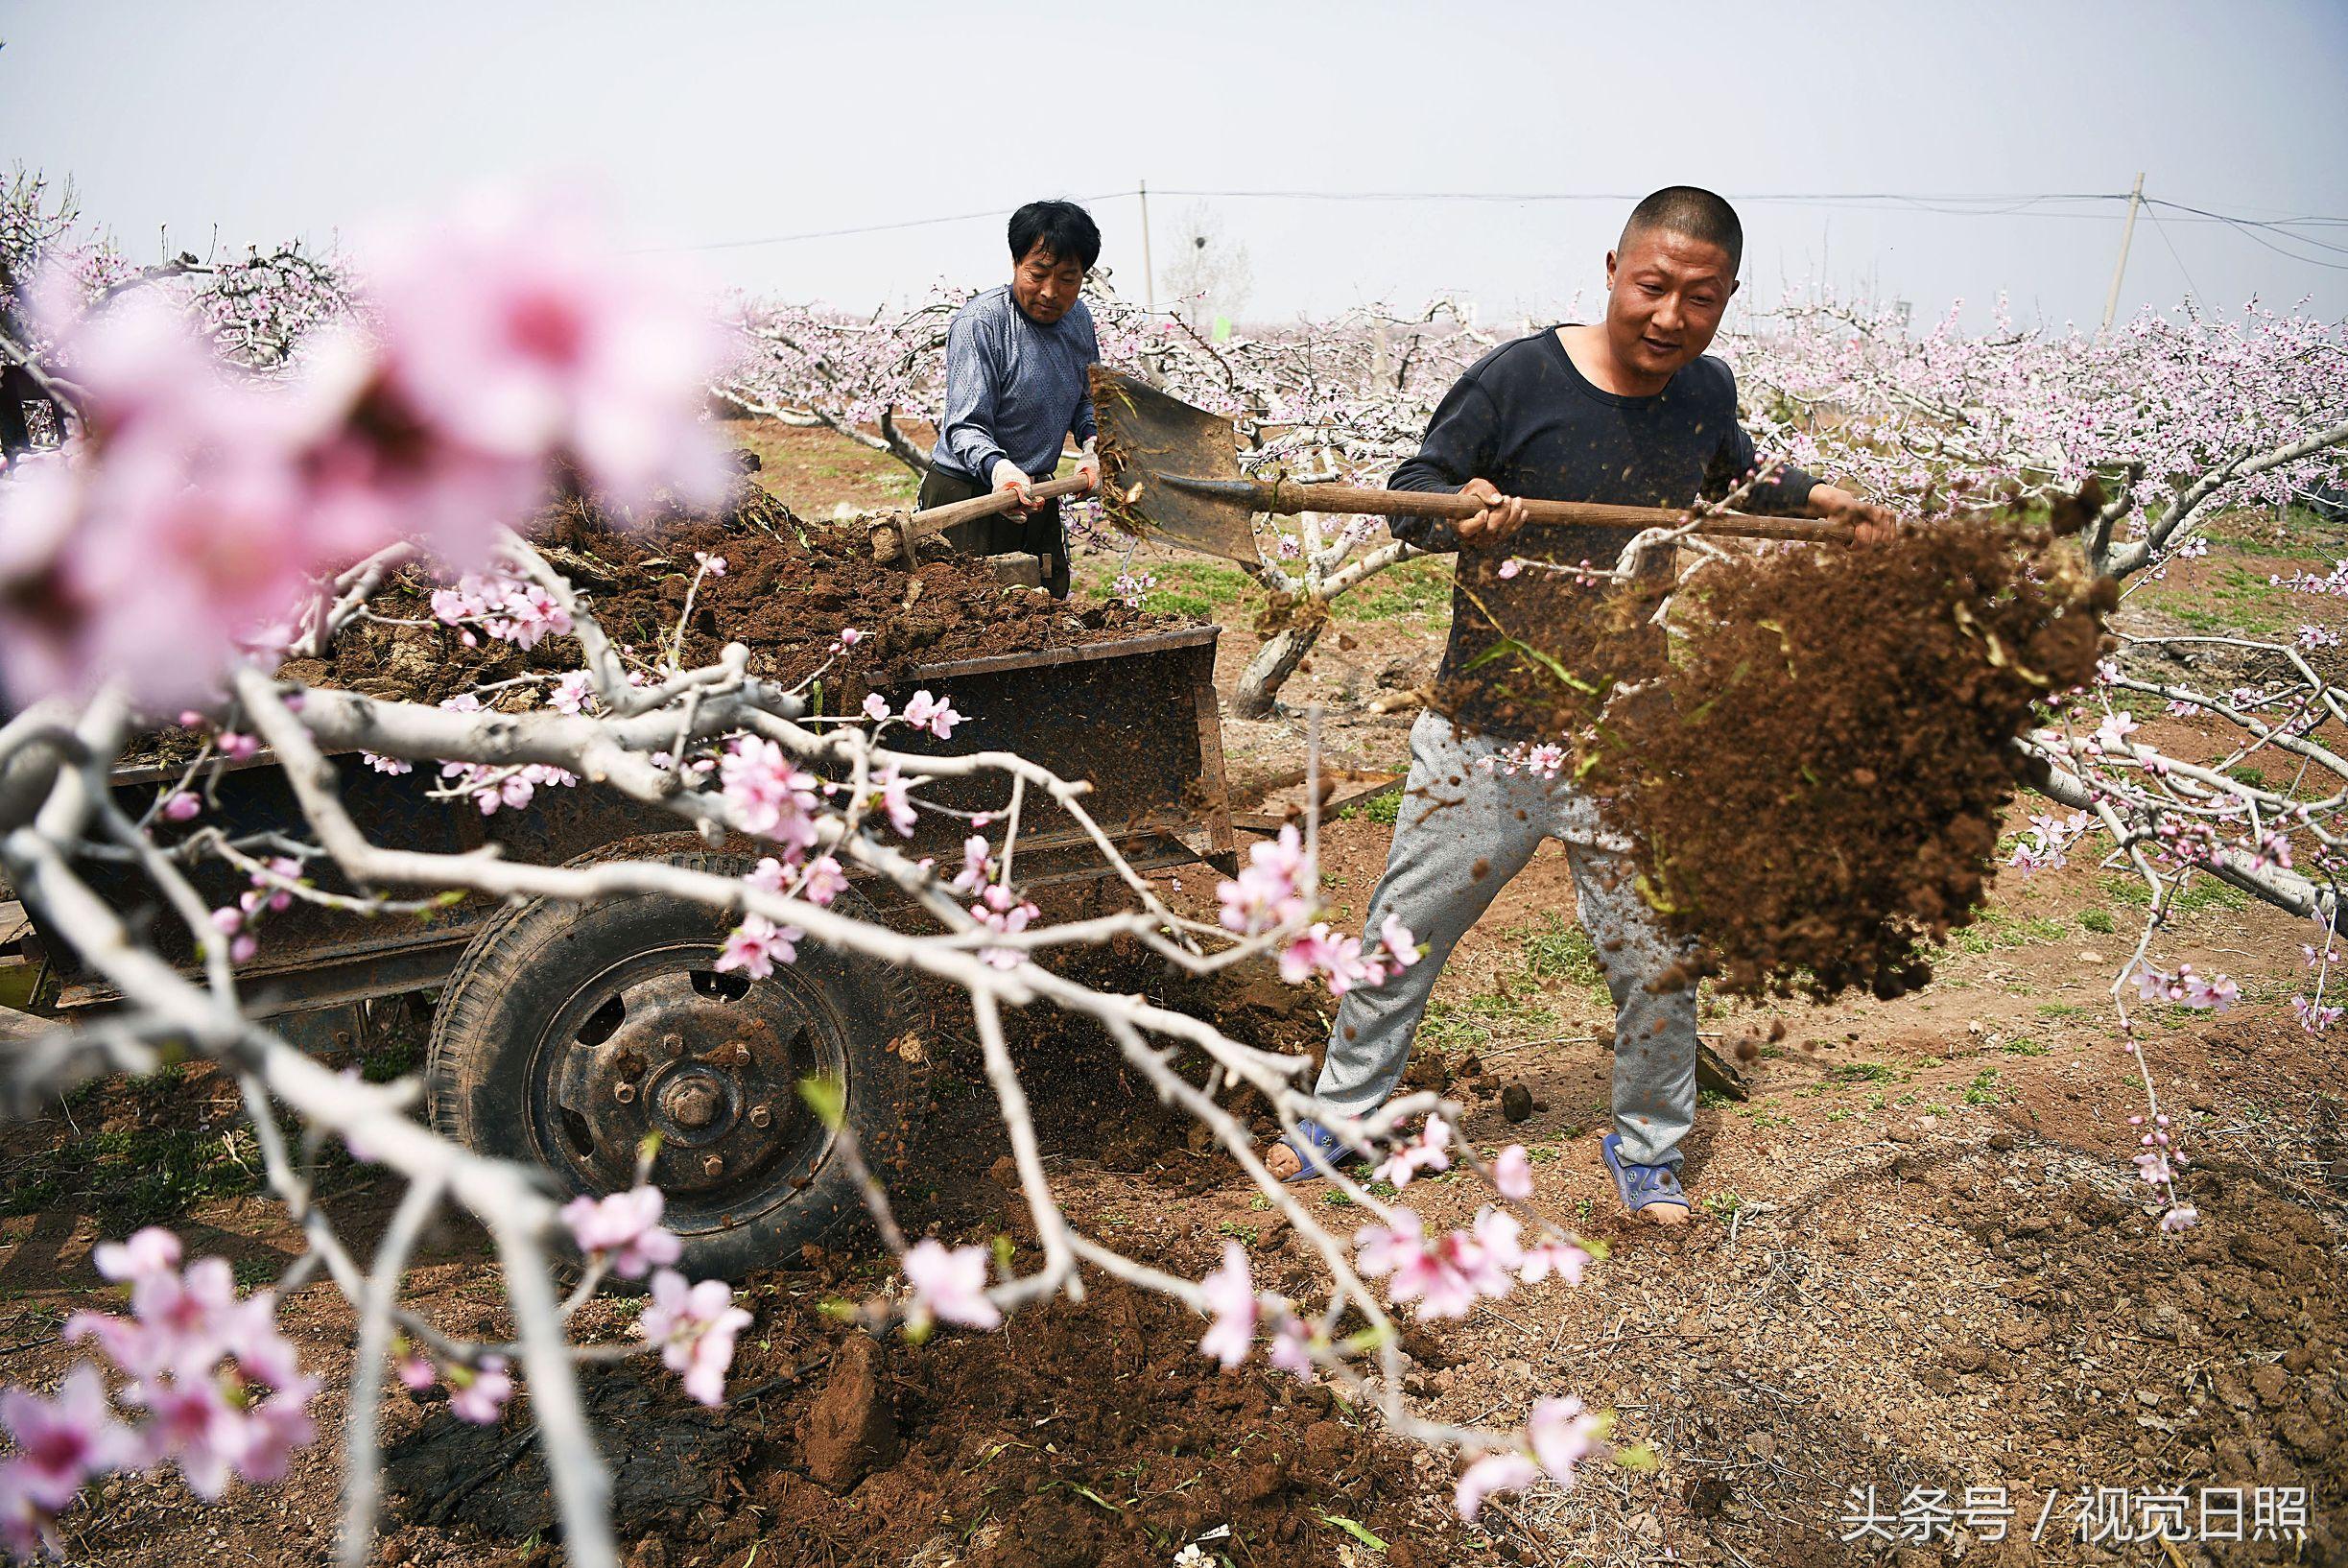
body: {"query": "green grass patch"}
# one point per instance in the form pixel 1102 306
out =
pixel 2239 600
pixel 2202 893
pixel 2299 535
pixel 1383 807
pixel 1983 1089
pixel 1482 1018
pixel 2022 1045
pixel 1864 1072
pixel 136 1176
pixel 1416 588
pixel 1556 948
pixel 1997 931
pixel 2098 921
pixel 1196 590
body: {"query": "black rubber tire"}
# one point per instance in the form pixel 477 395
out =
pixel 508 1027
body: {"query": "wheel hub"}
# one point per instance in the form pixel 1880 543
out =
pixel 704 1062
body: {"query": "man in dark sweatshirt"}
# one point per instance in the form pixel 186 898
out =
pixel 1626 411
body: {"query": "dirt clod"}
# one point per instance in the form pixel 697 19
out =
pixel 850 1428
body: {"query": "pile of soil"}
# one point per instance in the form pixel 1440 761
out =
pixel 790 586
pixel 1815 783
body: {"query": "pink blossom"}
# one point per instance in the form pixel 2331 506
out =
pixel 1559 1438
pixel 2182 1217
pixel 1563 1434
pixel 695 1327
pixel 625 1228
pixel 573 693
pixel 478 1393
pixel 1513 565
pixel 2112 734
pixel 149 1253
pixel 1267 891
pixel 1445 1277
pixel 876 706
pixel 768 796
pixel 824 881
pixel 2186 989
pixel 1504 1472
pixel 61 1443
pixel 387 765
pixel 274 1428
pixel 976 865
pixel 951 1285
pixel 1293 1344
pixel 714 565
pixel 1544 1258
pixel 513 329
pixel 1230 1300
pixel 27 1528
pixel 1512 1173
pixel 935 715
pixel 192 1424
pixel 1427 1152
pixel 1496 1231
pixel 894 796
pixel 756 945
pixel 413 1368
pixel 179 806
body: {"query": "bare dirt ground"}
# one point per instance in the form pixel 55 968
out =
pixel 1919 1264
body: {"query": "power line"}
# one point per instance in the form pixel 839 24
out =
pixel 861 228
pixel 2013 204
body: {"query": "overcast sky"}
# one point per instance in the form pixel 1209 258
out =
pixel 731 122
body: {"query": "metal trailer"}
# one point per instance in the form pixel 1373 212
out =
pixel 565 1033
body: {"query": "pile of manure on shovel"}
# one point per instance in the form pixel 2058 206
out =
pixel 1815 785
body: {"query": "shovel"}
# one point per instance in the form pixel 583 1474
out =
pixel 1170 470
pixel 899 532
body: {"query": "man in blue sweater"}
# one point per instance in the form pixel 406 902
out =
pixel 1016 359
pixel 1626 411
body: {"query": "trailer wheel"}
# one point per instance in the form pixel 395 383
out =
pixel 569 1032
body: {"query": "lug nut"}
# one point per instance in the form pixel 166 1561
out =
pixel 671 1044
pixel 624 1092
pixel 760 1116
pixel 741 1054
pixel 692 1103
pixel 713 1167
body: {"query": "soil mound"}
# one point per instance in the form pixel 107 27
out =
pixel 789 587
pixel 1815 783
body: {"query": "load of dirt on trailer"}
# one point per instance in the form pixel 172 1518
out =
pixel 1815 783
pixel 789 589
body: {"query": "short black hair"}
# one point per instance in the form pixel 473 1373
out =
pixel 1696 213
pixel 1061 227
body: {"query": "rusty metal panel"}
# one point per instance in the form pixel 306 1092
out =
pixel 1134 719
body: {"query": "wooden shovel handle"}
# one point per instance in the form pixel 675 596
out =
pixel 1287 497
pixel 900 531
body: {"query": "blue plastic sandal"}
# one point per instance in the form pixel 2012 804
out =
pixel 1641 1185
pixel 1315 1146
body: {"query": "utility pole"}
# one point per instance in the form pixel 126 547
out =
pixel 1150 283
pixel 2111 301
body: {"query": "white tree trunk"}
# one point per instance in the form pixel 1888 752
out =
pixel 1259 684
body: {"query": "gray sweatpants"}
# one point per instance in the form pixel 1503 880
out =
pixel 1456 817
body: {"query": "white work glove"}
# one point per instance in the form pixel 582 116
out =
pixel 1006 475
pixel 1089 467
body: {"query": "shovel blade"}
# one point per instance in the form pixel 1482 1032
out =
pixel 1146 437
